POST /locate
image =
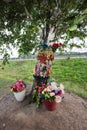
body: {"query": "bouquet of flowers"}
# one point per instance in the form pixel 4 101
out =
pixel 18 86
pixel 47 52
pixel 52 92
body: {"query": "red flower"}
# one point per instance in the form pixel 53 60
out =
pixel 55 45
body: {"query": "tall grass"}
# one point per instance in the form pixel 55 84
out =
pixel 72 73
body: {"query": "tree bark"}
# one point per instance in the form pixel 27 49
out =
pixel 46 29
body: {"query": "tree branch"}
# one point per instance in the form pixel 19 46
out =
pixel 26 10
pixel 27 13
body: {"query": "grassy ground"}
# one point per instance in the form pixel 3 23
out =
pixel 72 73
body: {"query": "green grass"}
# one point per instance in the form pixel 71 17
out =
pixel 72 73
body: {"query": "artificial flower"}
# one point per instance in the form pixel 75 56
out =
pixel 53 86
pixel 58 99
pixel 52 94
pixel 62 88
pixel 55 46
pixel 44 45
pixel 18 86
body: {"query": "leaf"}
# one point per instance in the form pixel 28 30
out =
pixel 79 19
pixel 68 34
pixel 85 11
pixel 73 28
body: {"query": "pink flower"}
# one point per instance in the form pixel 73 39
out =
pixel 58 99
pixel 18 86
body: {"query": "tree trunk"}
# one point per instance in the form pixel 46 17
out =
pixel 46 29
pixel 45 33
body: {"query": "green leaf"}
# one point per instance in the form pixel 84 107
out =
pixel 73 28
pixel 85 11
pixel 79 19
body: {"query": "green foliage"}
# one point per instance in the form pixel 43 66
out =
pixel 30 21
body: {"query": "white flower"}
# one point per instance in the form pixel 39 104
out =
pixel 48 89
pixel 54 86
pixel 62 88
pixel 52 94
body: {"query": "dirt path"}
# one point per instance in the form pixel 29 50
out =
pixel 71 114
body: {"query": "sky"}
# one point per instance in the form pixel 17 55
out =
pixel 81 50
pixel 13 53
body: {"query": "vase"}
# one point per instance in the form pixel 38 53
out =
pixel 50 105
pixel 20 95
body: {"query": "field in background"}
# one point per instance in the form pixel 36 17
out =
pixel 72 73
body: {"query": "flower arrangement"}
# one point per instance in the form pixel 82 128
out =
pixel 45 55
pixel 50 92
pixel 47 52
pixel 18 86
pixel 37 94
pixel 42 69
pixel 44 91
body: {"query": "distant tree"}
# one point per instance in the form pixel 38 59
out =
pixel 27 23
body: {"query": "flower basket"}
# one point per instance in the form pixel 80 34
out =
pixel 19 90
pixel 20 95
pixel 50 105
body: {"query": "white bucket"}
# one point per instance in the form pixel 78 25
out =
pixel 20 95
